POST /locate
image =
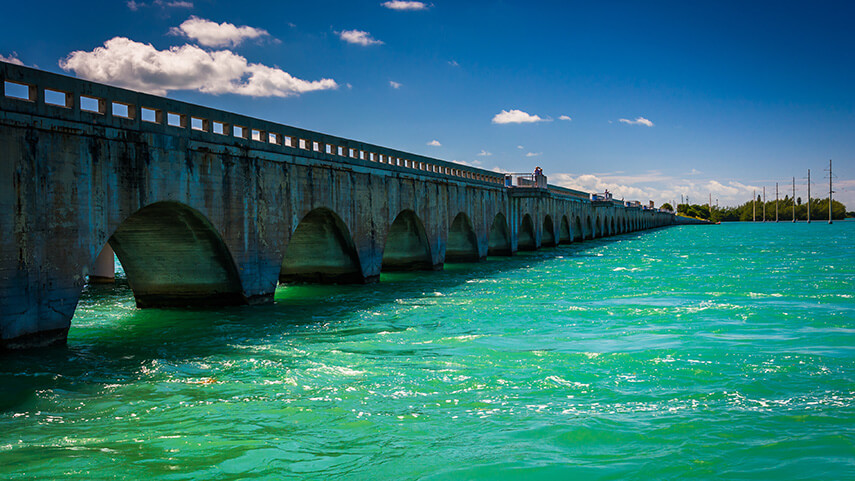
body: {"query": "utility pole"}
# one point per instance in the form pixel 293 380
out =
pixel 808 215
pixel 794 199
pixel 710 205
pixel 829 191
pixel 754 206
pixel 776 202
pixel 764 203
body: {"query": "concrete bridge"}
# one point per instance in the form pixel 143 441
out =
pixel 208 207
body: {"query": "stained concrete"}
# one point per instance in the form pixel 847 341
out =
pixel 220 215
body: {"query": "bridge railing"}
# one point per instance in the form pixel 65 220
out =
pixel 36 92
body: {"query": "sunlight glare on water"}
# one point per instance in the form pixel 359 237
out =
pixel 682 353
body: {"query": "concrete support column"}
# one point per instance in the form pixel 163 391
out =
pixel 104 270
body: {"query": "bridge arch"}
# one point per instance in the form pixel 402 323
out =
pixel 321 249
pixel 578 233
pixel 590 234
pixel 547 238
pixel 565 233
pixel 599 232
pixel 525 237
pixel 499 243
pixel 407 247
pixel 613 230
pixel 173 256
pixel 462 244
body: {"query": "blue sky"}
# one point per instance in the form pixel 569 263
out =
pixel 651 100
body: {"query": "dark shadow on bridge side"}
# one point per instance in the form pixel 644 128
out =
pixel 565 235
pixel 173 256
pixel 499 242
pixel 547 238
pixel 525 237
pixel 407 247
pixel 462 244
pixel 321 250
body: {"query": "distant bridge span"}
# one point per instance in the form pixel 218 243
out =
pixel 209 207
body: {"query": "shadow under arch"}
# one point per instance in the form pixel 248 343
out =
pixel 462 244
pixel 173 256
pixel 321 250
pixel 547 238
pixel 565 234
pixel 613 230
pixel 407 247
pixel 590 234
pixel 499 243
pixel 525 237
pixel 600 232
pixel 578 233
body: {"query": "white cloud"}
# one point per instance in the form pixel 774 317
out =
pixel 637 121
pixel 12 59
pixel 394 85
pixel 401 5
pixel 359 37
pixel 659 187
pixel 565 117
pixel 533 154
pixel 520 147
pixel 516 117
pixel 140 66
pixel 177 4
pixel 434 143
pixel 463 162
pixel 213 34
pixel 484 153
pixel 453 63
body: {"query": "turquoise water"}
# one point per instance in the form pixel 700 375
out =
pixel 696 352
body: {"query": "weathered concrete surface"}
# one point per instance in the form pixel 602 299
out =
pixel 197 217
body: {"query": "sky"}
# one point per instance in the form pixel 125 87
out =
pixel 650 100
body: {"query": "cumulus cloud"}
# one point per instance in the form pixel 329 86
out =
pixel 401 5
pixel 515 116
pixel 213 34
pixel 468 164
pixel 11 59
pixel 394 85
pixel 484 153
pixel 434 143
pixel 359 37
pixel 637 121
pixel 533 154
pixel 565 117
pixel 140 66
pixel 520 147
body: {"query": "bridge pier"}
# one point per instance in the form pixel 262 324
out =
pixel 104 270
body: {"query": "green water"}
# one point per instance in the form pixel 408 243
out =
pixel 697 352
